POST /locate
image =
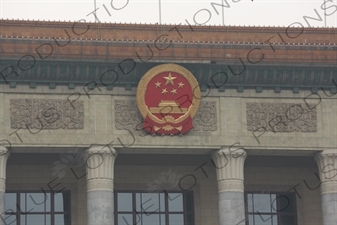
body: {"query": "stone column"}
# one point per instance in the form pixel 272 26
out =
pixel 100 176
pixel 229 171
pixel 327 165
pixel 4 154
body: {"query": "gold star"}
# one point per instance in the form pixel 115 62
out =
pixel 169 79
pixel 181 85
pixel 157 84
pixel 174 91
pixel 164 91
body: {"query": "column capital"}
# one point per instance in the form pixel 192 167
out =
pixel 4 154
pixel 100 161
pixel 327 167
pixel 229 169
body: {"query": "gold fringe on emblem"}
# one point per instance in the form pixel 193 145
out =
pixel 168 128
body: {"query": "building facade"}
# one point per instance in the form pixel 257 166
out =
pixel 259 148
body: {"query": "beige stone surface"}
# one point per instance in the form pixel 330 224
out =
pixel 99 127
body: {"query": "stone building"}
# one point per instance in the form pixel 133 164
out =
pixel 261 149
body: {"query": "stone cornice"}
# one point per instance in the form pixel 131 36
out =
pixel 58 73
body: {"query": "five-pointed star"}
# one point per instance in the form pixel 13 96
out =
pixel 181 85
pixel 169 79
pixel 174 91
pixel 164 91
pixel 157 84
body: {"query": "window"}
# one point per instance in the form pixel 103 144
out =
pixel 154 208
pixel 271 209
pixel 37 208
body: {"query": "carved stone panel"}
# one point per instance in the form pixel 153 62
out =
pixel 281 117
pixel 47 114
pixel 206 117
pixel 127 116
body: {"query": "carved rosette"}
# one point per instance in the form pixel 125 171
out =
pixel 127 115
pixel 4 154
pixel 206 117
pixel 229 169
pixel 281 117
pixel 100 168
pixel 327 166
pixel 46 114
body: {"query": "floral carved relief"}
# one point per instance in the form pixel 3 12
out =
pixel 47 114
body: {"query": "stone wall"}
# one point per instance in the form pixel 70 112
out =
pixel 223 119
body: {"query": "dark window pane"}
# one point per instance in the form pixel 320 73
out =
pixel 250 220
pixel 152 219
pixel 250 202
pixel 189 202
pixel 189 218
pixel 262 213
pixel 274 203
pixel 125 219
pixel 162 202
pixel 262 203
pixel 162 220
pixel 9 219
pixel 138 202
pixel 150 203
pixel 37 220
pixel 61 219
pixel 38 202
pixel 286 203
pixel 61 202
pixel 263 219
pixel 176 219
pixel 275 220
pixel 287 220
pixel 10 201
pixel 124 202
pixel 175 202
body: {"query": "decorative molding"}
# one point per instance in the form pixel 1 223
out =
pixel 46 114
pixel 100 161
pixel 281 117
pixel 229 165
pixel 327 166
pixel 100 185
pixel 328 188
pixel 230 185
pixel 127 115
pixel 206 117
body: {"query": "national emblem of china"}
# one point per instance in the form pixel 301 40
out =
pixel 168 97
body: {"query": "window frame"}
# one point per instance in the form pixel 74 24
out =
pixel 52 212
pixel 134 213
pixel 278 214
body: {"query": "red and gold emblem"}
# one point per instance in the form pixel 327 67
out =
pixel 168 96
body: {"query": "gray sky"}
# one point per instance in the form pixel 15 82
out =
pixel 241 12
